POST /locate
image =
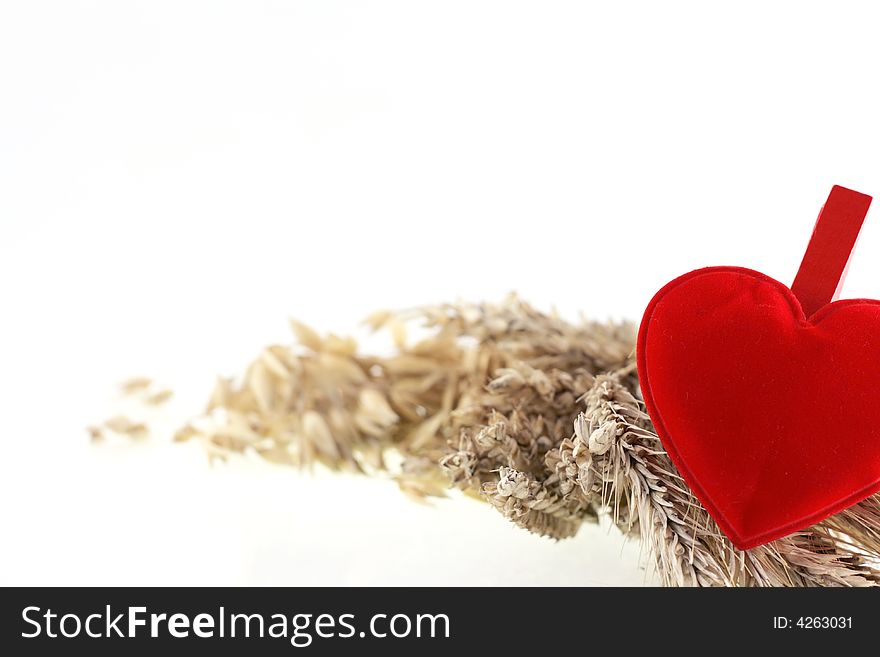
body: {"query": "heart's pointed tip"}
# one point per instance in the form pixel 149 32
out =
pixel 745 546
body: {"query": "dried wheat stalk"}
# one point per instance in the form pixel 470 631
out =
pixel 539 417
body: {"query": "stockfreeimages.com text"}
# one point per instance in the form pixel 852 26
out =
pixel 299 629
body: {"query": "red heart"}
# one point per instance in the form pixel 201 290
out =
pixel 772 419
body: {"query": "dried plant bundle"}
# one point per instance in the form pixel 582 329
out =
pixel 539 417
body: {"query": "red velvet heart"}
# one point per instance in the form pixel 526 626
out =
pixel 772 419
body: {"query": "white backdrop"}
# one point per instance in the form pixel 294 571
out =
pixel 177 178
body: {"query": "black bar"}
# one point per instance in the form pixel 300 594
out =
pixel 503 620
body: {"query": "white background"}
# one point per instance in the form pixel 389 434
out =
pixel 178 178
